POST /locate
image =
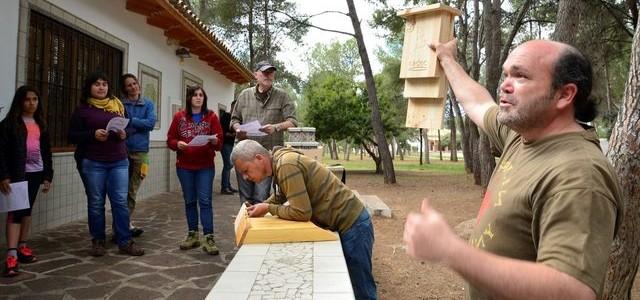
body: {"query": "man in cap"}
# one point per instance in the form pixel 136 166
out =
pixel 275 111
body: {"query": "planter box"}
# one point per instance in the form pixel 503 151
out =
pixel 302 134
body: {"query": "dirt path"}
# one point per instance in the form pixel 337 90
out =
pixel 398 276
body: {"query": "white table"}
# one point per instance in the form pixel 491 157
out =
pixel 305 270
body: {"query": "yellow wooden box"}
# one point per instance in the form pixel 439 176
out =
pixel 271 229
pixel 425 113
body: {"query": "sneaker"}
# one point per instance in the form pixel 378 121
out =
pixel 136 231
pixel 25 255
pixel 97 248
pixel 209 245
pixel 131 249
pixel 192 241
pixel 233 190
pixel 11 266
pixel 226 191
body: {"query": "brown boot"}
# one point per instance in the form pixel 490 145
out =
pixel 131 249
pixel 97 248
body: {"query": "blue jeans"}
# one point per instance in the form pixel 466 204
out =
pixel 357 244
pixel 254 192
pixel 197 187
pixel 226 169
pixel 107 179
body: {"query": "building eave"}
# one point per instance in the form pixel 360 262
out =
pixel 182 26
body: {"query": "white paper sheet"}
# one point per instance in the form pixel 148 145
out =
pixel 200 140
pixel 252 128
pixel 17 199
pixel 117 123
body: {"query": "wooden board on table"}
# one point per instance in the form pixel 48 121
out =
pixel 271 229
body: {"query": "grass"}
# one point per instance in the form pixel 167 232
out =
pixel 409 164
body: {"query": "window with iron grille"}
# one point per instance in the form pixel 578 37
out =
pixel 59 59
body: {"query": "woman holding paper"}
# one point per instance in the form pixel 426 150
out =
pixel 195 134
pixel 25 155
pixel 103 162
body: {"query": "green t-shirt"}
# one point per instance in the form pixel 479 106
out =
pixel 555 201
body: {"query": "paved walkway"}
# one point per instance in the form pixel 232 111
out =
pixel 66 271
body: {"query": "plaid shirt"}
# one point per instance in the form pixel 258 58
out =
pixel 276 108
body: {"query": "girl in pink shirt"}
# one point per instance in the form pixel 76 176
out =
pixel 25 155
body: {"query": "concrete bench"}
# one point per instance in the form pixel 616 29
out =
pixel 374 205
pixel 304 270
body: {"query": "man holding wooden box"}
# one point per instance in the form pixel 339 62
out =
pixel 314 194
pixel 553 205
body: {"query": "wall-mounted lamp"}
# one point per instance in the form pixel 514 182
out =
pixel 183 53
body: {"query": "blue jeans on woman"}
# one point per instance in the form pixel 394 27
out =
pixel 227 166
pixel 197 188
pixel 357 244
pixel 107 179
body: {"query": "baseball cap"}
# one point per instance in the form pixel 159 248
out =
pixel 264 65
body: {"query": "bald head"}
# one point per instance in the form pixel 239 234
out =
pixel 566 65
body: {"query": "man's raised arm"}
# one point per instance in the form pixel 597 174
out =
pixel 475 99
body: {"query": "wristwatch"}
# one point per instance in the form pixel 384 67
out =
pixel 277 128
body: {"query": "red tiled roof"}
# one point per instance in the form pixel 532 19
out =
pixel 182 25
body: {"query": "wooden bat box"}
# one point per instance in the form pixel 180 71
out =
pixel 425 113
pixel 424 25
pixel 425 84
pixel 271 229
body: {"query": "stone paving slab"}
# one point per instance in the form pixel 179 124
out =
pixel 66 271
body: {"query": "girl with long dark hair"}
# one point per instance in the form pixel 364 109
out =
pixel 195 165
pixel 25 155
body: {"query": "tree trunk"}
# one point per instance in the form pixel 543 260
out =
pixel 488 162
pixel 470 137
pixel 492 16
pixel 266 45
pixel 440 144
pixel 475 51
pixel 375 158
pixel 607 85
pixel 334 150
pixel 474 142
pixel 250 26
pixel 453 143
pixel 427 144
pixel 568 19
pixel 376 120
pixel 624 153
pixel 347 149
pixel 324 150
pixel 421 145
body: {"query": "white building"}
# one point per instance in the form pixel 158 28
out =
pixel 53 44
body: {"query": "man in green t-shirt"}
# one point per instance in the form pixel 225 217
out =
pixel 553 204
